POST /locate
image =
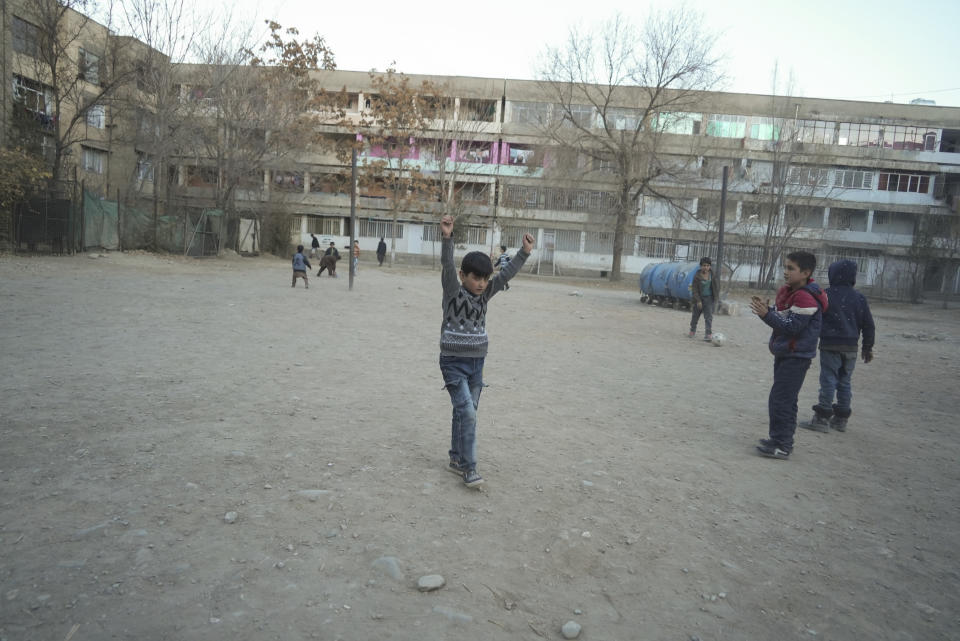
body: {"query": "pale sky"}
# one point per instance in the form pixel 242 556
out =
pixel 849 49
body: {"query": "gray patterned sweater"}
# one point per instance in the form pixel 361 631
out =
pixel 464 328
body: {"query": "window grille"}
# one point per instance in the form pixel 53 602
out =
pixel 373 228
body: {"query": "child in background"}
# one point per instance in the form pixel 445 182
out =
pixel 300 267
pixel 845 320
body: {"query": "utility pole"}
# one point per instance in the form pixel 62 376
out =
pixel 353 208
pixel 718 273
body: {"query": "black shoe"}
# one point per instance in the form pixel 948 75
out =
pixel 839 424
pixel 818 424
pixel 771 450
pixel 767 442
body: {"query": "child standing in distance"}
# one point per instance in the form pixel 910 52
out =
pixel 847 317
pixel 300 267
pixel 356 257
pixel 502 260
pixel 463 341
pixel 796 321
pixel 702 296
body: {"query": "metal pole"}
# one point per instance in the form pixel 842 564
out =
pixel 353 209
pixel 119 225
pixel 718 272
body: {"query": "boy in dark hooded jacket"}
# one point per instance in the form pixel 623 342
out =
pixel 847 318
pixel 796 319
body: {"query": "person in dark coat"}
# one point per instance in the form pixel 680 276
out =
pixel 381 251
pixel 847 318
pixel 329 263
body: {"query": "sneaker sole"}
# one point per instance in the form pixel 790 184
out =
pixel 455 470
pixel 474 484
pixel 775 454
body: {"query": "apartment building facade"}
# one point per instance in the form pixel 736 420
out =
pixel 844 178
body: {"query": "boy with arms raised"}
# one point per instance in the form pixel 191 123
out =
pixel 463 341
pixel 796 319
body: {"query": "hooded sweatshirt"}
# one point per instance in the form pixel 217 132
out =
pixel 848 315
pixel 796 320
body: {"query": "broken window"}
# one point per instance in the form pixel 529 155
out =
pixel 89 67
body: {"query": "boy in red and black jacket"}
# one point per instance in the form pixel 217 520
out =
pixel 796 320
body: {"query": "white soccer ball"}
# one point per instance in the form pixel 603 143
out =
pixel 718 339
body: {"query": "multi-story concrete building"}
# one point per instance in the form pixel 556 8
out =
pixel 845 178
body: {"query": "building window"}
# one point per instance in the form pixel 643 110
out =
pixel 818 132
pixel 478 110
pixel 853 179
pixel 598 242
pixel 727 126
pixel 296 224
pixel 371 228
pixel 513 236
pixel 766 128
pixel 534 113
pixel 94 160
pixel 288 181
pixel 580 115
pixel 881 218
pixel 623 119
pixel 904 182
pixel 679 122
pixel 809 176
pixel 26 37
pixel 567 240
pixel 323 225
pixel 96 116
pixel 32 95
pixel 144 169
pixel 89 67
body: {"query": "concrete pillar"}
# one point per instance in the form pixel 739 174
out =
pixel 739 214
pixel 782 215
pixel 583 241
pixel 869 221
pixel 826 218
pixel 306 182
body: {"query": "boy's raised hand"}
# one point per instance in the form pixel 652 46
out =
pixel 759 307
pixel 528 242
pixel 446 226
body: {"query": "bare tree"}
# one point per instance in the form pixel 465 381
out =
pixel 393 126
pixel 256 109
pixel 72 71
pixel 615 93
pixel 159 120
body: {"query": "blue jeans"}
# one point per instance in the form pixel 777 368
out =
pixel 788 375
pixel 463 378
pixel 836 372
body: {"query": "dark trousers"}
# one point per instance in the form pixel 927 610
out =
pixel 707 312
pixel 788 375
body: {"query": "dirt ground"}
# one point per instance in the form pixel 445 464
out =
pixel 145 398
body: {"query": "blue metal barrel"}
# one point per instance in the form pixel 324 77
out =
pixel 667 283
